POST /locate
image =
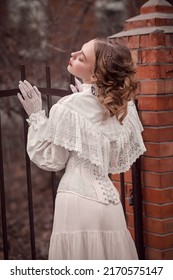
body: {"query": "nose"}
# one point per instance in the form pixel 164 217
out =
pixel 74 54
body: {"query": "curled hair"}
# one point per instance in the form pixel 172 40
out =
pixel 114 69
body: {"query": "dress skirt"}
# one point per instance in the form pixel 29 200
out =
pixel 85 229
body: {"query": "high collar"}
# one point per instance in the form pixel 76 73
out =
pixel 92 88
pixel 87 86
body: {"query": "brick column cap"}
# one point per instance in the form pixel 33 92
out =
pixel 151 16
pixel 153 6
pixel 149 21
pixel 143 31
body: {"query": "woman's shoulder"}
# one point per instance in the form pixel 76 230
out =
pixel 115 131
pixel 84 104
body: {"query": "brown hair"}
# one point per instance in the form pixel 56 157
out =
pixel 114 69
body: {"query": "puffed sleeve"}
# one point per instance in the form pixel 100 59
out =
pixel 45 154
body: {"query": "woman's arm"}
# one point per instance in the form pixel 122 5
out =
pixel 43 153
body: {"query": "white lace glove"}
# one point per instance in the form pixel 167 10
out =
pixel 77 87
pixel 30 97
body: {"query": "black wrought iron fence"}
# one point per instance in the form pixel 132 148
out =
pixel 135 199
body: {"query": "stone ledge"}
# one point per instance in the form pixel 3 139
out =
pixel 161 3
pixel 150 16
pixel 141 31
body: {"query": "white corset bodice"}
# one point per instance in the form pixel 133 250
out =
pixel 83 178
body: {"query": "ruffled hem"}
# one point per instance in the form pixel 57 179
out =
pixel 92 245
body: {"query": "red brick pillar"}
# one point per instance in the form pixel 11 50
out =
pixel 150 38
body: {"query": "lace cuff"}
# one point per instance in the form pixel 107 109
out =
pixel 36 119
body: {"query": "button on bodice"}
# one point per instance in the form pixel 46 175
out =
pixel 104 187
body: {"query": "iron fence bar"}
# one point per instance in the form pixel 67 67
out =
pixel 49 103
pixel 29 181
pixel 48 86
pixel 53 91
pixel 137 203
pixel 3 201
pixel 138 217
pixel 44 91
pixel 122 192
pixel 8 92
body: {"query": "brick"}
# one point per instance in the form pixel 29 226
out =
pixel 130 220
pixel 157 180
pixel 157 118
pixel 161 55
pixel 159 226
pixel 157 196
pixel 145 21
pixel 154 71
pixel 169 39
pixel 158 241
pixel 133 42
pixel 168 86
pixel 159 149
pixel 157 164
pixel 132 232
pixel 158 134
pixel 152 87
pixel 156 9
pixel 155 254
pixel 148 72
pixel 117 186
pixel 166 71
pixel 152 103
pixel 152 40
pixel 158 210
pixel 121 40
pixel 135 56
pixel 128 176
pixel 156 86
pixel 115 177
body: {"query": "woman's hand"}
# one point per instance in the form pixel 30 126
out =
pixel 30 97
pixel 77 87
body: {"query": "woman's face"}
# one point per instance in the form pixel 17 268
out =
pixel 82 63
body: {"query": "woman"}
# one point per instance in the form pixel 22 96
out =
pixel 91 133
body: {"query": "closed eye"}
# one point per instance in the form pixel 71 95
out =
pixel 81 58
pixel 84 55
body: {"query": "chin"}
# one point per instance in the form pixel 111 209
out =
pixel 70 70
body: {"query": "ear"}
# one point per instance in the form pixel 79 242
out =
pixel 93 78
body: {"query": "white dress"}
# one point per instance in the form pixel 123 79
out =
pixel 89 221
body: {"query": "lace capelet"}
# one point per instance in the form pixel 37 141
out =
pixel 76 123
